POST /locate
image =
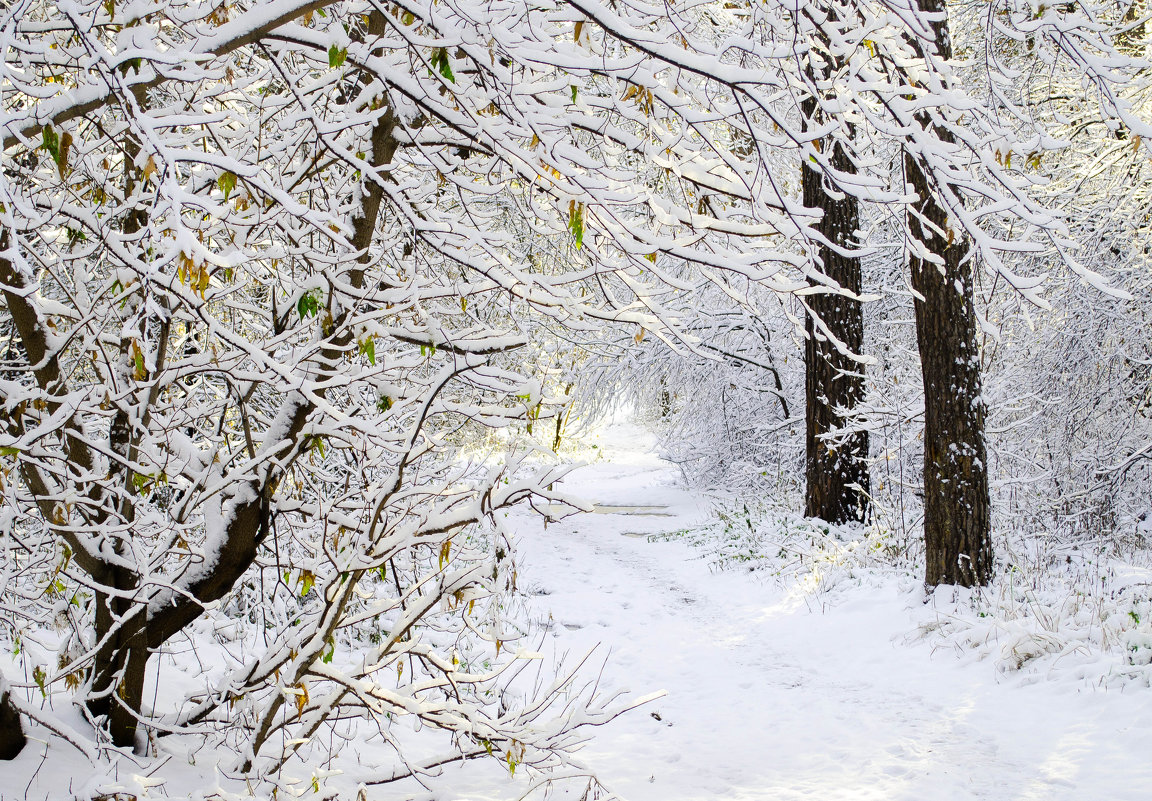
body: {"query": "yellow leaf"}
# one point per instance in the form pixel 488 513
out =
pixel 301 700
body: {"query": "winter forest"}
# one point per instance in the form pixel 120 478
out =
pixel 589 399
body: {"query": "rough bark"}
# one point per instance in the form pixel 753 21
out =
pixel 957 534
pixel 12 739
pixel 836 472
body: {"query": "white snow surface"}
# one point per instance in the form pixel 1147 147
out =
pixel 773 691
pixel 776 694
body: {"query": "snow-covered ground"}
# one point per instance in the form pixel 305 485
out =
pixel 788 688
pixel 777 693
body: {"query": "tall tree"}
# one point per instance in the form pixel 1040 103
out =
pixel 957 517
pixel 836 468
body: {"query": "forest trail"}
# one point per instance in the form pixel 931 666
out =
pixel 778 695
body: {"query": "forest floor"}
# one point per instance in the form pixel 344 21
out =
pixel 785 690
pixel 797 662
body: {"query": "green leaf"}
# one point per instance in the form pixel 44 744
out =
pixel 327 658
pixel 318 445
pixel 131 64
pixel 51 142
pixel 408 18
pixel 40 676
pixel 574 94
pixel 368 348
pixel 576 222
pixel 384 404
pixel 308 305
pixel 226 182
pixel 336 56
pixel 8 450
pixel 440 62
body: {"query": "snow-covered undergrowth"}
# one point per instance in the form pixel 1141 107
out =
pixel 1068 612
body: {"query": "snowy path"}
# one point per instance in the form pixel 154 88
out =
pixel 769 699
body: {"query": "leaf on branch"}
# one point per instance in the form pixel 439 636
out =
pixel 368 348
pixel 301 699
pixel 308 305
pixel 140 372
pixel 185 268
pixel 336 56
pixel 202 281
pixel 133 64
pixel 226 182
pixel 441 63
pixel 576 222
pixel 51 143
pixel 62 153
pixel 219 14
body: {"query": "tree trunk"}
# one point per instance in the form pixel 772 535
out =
pixel 836 472
pixel 957 539
pixel 12 737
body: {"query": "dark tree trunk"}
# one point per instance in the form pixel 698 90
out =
pixel 118 670
pixel 12 737
pixel 957 535
pixel 836 471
